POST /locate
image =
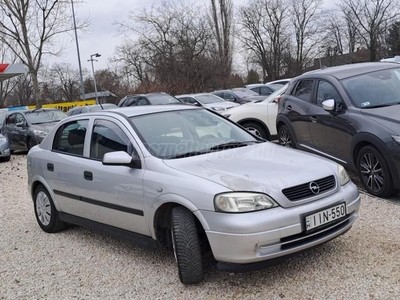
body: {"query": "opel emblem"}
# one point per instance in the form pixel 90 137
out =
pixel 314 188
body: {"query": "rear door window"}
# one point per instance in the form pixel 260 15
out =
pixel 70 138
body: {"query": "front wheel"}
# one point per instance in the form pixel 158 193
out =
pixel 45 211
pixel 186 245
pixel 374 172
pixel 256 129
pixel 285 137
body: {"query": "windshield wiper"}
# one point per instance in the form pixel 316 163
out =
pixel 187 154
pixel 382 105
pixel 233 144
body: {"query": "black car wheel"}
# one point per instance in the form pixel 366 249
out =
pixel 374 172
pixel 285 137
pixel 186 245
pixel 256 129
pixel 45 211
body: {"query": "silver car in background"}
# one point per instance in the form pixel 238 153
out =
pixel 187 177
pixel 4 148
pixel 207 100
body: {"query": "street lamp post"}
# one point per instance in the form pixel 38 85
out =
pixel 94 77
pixel 79 55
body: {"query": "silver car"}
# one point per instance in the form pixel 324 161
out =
pixel 207 100
pixel 187 177
pixel 4 148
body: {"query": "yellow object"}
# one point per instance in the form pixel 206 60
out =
pixel 65 106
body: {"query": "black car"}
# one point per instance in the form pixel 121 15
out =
pixel 148 99
pixel 27 128
pixel 349 114
pixel 239 95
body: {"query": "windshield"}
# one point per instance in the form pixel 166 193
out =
pixel 209 98
pixel 375 89
pixel 243 93
pixel 44 116
pixel 182 132
pixel 162 99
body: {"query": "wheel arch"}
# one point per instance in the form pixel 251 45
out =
pixel 257 121
pixel 161 217
pixel 366 139
pixel 38 180
pixel 283 120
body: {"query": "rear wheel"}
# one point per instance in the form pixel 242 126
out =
pixel 285 137
pixel 374 172
pixel 186 245
pixel 256 129
pixel 45 211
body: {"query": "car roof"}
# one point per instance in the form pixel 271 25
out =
pixel 219 91
pixel 253 85
pixel 346 71
pixel 131 111
pixel 193 95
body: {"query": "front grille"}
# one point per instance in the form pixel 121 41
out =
pixel 303 191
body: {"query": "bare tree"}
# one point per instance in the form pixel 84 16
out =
pixel 30 29
pixel 370 19
pixel 305 17
pixel 222 17
pixel 264 33
pixel 67 80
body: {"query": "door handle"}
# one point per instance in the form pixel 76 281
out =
pixel 313 119
pixel 289 107
pixel 88 175
pixel 50 167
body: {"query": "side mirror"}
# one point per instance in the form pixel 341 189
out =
pixel 121 158
pixel 196 104
pixel 329 105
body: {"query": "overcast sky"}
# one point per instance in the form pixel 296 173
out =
pixel 102 36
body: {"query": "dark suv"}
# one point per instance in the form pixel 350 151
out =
pixel 349 114
pixel 148 99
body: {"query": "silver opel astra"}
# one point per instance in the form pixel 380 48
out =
pixel 188 178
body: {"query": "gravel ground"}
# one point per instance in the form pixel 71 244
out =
pixel 81 264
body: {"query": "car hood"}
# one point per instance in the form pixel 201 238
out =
pixel 387 116
pixel 45 126
pixel 266 168
pixel 226 104
pixel 255 98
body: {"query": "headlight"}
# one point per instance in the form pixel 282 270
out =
pixel 343 176
pixel 238 202
pixel 40 133
pixel 218 108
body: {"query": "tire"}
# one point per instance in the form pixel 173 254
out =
pixel 285 137
pixel 256 129
pixel 45 211
pixel 30 143
pixel 186 245
pixel 4 159
pixel 374 173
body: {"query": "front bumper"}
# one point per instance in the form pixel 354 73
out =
pixel 239 238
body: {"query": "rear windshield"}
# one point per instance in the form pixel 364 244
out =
pixel 375 89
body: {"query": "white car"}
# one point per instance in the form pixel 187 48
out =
pixel 207 100
pixel 258 117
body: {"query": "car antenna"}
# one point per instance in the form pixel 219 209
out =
pixel 102 108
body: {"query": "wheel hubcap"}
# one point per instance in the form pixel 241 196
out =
pixel 285 139
pixel 371 172
pixel 43 208
pixel 254 131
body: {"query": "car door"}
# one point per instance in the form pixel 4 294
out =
pixel 63 167
pixel 298 108
pixel 113 194
pixel 9 130
pixel 330 131
pixel 21 131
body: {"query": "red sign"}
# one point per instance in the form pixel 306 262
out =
pixel 3 67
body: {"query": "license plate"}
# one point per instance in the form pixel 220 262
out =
pixel 325 216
